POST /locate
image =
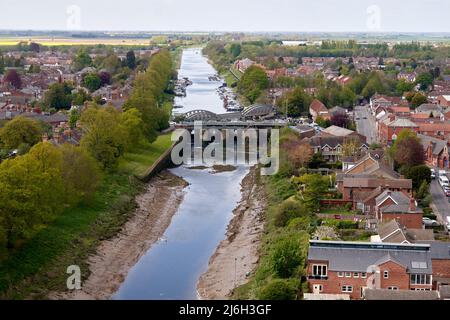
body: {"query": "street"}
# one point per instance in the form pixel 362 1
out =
pixel 365 123
pixel 439 199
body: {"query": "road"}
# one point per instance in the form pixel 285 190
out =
pixel 365 123
pixel 439 199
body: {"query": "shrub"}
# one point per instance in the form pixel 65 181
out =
pixel 278 290
pixel 289 254
pixel 300 224
pixel 288 210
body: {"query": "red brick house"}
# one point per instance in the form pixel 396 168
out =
pixel 436 151
pixel 438 130
pixel 317 108
pixel 390 127
pixel 400 207
pixel 444 100
pixel 337 267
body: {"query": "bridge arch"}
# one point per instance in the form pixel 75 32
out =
pixel 258 110
pixel 200 115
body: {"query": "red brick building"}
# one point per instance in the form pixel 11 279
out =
pixel 336 267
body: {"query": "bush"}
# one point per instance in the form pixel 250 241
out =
pixel 300 224
pixel 288 210
pixel 278 290
pixel 341 224
pixel 289 254
pixel 426 201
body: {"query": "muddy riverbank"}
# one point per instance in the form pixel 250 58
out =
pixel 115 257
pixel 237 256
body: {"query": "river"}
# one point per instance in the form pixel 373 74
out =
pixel 171 268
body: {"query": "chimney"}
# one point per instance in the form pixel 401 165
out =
pixel 412 204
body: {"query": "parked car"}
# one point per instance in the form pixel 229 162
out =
pixel 448 224
pixel 433 174
pixel 443 181
pixel 447 191
pixel 429 222
pixel 442 173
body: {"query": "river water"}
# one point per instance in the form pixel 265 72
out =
pixel 171 268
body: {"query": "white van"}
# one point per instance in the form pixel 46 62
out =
pixel 443 181
pixel 448 223
pixel 442 173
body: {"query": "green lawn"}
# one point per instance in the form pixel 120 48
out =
pixel 340 211
pixel 138 162
pixel 40 265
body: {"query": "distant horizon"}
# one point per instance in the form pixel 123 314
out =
pixel 249 16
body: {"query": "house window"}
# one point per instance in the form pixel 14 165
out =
pixel 420 279
pixel 317 288
pixel 319 270
pixel 393 288
pixel 347 289
pixel 355 275
pixel 363 275
pixel 348 274
pixel 340 274
pixel 386 274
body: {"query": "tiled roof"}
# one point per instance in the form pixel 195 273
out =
pixel 358 256
pixel 438 144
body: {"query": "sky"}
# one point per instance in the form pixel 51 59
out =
pixel 227 15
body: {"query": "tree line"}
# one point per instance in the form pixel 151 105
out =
pixel 39 184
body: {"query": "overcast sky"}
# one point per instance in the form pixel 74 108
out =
pixel 228 15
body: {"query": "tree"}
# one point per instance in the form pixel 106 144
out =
pixel 278 289
pixel 296 101
pixel 80 97
pixel 403 86
pixel 103 135
pixel 92 82
pixel 289 254
pixel 419 174
pixel 252 83
pixel 82 60
pixel 322 122
pixel 20 130
pixel 13 78
pixel 317 161
pixel 105 78
pixel 58 96
pixel 418 99
pixel 31 189
pixel 288 210
pixel 425 80
pixel 35 47
pixel 340 119
pixel 312 188
pixel 235 50
pixel 131 60
pixel 80 173
pixel 407 149
pixel 133 127
pixel 351 147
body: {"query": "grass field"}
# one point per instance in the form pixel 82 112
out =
pixel 74 41
pixel 137 163
pixel 40 265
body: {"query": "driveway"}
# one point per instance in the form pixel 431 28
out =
pixel 365 123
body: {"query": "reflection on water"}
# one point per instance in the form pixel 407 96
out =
pixel 202 95
pixel 172 267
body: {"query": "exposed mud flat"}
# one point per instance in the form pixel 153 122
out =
pixel 115 257
pixel 237 256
